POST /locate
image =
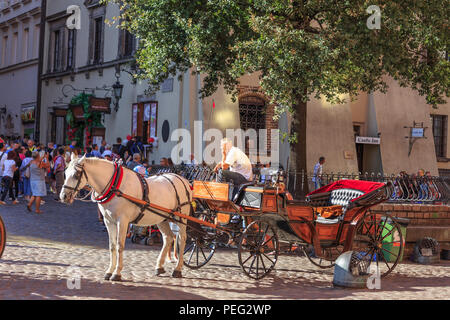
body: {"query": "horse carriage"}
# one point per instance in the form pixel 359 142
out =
pixel 263 221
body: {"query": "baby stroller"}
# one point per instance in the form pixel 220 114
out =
pixel 148 235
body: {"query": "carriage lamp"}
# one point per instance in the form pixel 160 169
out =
pixel 117 90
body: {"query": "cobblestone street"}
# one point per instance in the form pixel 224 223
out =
pixel 42 249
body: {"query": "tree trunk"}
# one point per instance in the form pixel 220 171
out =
pixel 297 157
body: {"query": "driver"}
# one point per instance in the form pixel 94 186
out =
pixel 235 165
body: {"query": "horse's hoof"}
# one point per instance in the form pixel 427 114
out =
pixel 116 277
pixel 108 276
pixel 176 274
pixel 159 271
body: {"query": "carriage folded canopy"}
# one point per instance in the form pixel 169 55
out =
pixel 349 193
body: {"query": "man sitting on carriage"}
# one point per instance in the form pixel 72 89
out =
pixel 236 166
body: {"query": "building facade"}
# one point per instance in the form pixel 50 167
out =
pixel 19 50
pixel 375 132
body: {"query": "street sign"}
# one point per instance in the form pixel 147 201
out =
pixel 368 140
pixel 100 104
pixel 417 132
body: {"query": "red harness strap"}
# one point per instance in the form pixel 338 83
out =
pixel 115 182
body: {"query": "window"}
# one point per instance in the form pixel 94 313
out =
pixel 440 134
pixel 144 120
pixel 98 39
pixel 252 115
pixel 4 51
pixel 70 49
pixel 56 50
pixel 14 48
pixel 127 42
pixel 36 35
pixel 25 38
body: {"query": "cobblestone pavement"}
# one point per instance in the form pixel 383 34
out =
pixel 42 249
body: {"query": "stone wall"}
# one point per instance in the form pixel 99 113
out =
pixel 424 221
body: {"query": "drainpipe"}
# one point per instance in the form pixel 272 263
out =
pixel 37 125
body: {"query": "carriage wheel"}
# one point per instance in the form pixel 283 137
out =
pixel 329 256
pixel 379 240
pixel 198 252
pixel 2 237
pixel 258 249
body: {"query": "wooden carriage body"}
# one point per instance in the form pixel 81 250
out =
pixel 328 217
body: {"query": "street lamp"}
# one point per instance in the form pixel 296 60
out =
pixel 117 90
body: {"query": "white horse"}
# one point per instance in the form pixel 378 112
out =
pixel 119 212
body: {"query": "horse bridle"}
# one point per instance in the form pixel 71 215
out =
pixel 78 175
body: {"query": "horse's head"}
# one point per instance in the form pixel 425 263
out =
pixel 75 180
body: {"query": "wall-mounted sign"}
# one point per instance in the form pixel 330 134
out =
pixel 417 132
pixel 100 104
pixel 77 111
pixel 368 140
pixel 27 114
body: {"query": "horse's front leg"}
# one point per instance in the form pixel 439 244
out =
pixel 168 235
pixel 122 228
pixel 181 240
pixel 112 233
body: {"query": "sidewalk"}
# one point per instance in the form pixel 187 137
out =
pixel 42 249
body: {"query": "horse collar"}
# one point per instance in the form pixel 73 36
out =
pixel 113 186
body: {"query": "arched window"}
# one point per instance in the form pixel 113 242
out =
pixel 252 115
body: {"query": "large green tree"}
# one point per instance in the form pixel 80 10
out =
pixel 301 48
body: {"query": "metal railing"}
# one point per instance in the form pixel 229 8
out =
pixel 403 189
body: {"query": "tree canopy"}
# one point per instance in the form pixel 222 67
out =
pixel 315 47
pixel 301 48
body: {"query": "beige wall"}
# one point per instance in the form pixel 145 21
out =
pixel 398 108
pixel 329 134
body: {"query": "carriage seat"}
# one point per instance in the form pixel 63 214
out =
pixel 337 205
pixel 342 197
pixel 240 193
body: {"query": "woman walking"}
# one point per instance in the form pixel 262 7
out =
pixel 9 167
pixel 38 169
pixel 25 173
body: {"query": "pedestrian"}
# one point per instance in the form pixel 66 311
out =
pixel 38 168
pixel 31 146
pixel 9 168
pixel 135 162
pixel 103 146
pixel 25 175
pixel 16 177
pixel 95 151
pixel 89 152
pixel 59 167
pixel 3 156
pixel 120 147
pixel 317 174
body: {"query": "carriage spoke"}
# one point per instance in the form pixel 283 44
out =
pixel 268 240
pixel 257 265
pixel 190 256
pixel 203 254
pixel 264 266
pixel 389 251
pixel 268 258
pixel 251 265
pixel 381 233
pixel 188 248
pixel 389 233
pixel 247 259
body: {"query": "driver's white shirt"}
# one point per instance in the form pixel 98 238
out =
pixel 239 162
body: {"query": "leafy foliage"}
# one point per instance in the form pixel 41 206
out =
pixel 318 47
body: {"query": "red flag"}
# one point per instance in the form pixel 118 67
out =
pixel 214 104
